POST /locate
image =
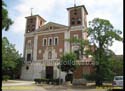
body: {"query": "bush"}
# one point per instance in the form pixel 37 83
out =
pixel 44 80
pixel 58 81
pixel 6 77
pixel 69 77
pixel 89 77
pixel 37 80
pixel 53 81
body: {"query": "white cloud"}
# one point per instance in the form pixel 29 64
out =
pixel 23 9
pixel 117 47
pixel 107 9
pixel 96 8
pixel 111 10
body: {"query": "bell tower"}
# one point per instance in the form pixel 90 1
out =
pixel 77 16
pixel 33 22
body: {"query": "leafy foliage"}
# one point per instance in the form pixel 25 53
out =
pixel 68 62
pixel 103 34
pixel 5 78
pixel 117 65
pixel 81 43
pixel 6 21
pixel 11 59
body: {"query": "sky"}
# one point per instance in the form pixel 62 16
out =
pixel 55 11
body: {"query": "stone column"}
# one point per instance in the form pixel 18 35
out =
pixel 35 48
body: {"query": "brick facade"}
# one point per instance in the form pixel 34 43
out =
pixel 58 47
pixel 48 43
pixel 81 70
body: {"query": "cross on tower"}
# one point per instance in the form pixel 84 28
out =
pixel 74 3
pixel 31 11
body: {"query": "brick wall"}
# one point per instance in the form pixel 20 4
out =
pixel 56 47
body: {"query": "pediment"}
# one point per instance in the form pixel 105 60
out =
pixel 50 26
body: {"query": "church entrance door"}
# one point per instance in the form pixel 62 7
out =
pixel 49 72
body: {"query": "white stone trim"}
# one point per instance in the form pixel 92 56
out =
pixel 34 71
pixel 75 48
pixel 60 50
pixel 35 48
pixel 29 34
pixel 29 44
pixel 74 28
pixel 55 30
pixel 39 51
pixel 45 32
pixel 50 33
pixel 82 10
pixel 29 41
pixel 66 43
pixel 28 51
pixel 54 54
pixel 49 40
pixel 57 40
pixel 51 27
pixel 76 35
pixel 69 17
pixel 37 23
pixel 43 41
pixel 24 49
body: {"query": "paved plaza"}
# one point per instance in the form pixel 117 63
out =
pixel 31 86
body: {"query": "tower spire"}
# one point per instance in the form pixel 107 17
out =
pixel 31 11
pixel 74 3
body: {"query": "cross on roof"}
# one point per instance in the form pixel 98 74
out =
pixel 74 3
pixel 31 11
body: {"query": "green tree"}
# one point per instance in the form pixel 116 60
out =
pixel 6 21
pixel 103 34
pixel 11 59
pixel 16 72
pixel 81 43
pixel 117 64
pixel 68 64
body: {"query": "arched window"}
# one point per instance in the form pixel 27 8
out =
pixel 78 20
pixel 55 40
pixel 29 57
pixel 44 41
pixel 49 55
pixel 50 41
pixel 41 22
pixel 27 67
pixel 77 54
pixel 73 21
pixel 29 45
pixel 50 27
pixel 75 12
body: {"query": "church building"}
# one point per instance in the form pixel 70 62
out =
pixel 45 43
